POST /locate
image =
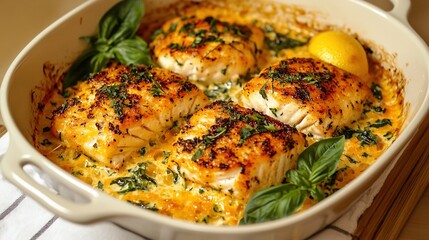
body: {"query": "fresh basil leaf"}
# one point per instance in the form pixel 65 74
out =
pixel 98 62
pixel 320 160
pixel 121 21
pixel 79 70
pixel 315 164
pixel 116 40
pixel 89 39
pixel 317 193
pixel 299 178
pixel 132 51
pixel 273 203
pixel 102 45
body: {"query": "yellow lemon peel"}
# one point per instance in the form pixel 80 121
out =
pixel 341 50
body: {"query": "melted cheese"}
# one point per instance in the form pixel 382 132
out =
pixel 169 193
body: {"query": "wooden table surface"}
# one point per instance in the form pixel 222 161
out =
pixel 417 227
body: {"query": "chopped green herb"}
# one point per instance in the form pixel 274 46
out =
pixel 316 77
pixel 274 111
pixel 149 206
pixel 282 75
pixel 68 103
pixel 197 154
pixel 216 208
pixel 351 160
pixel 263 92
pixel 212 22
pixel 205 219
pixel 270 127
pixel 202 36
pixel 118 91
pixel 77 173
pixel 262 125
pixel 157 33
pixel 246 133
pixel 330 183
pixel 166 156
pixel 376 91
pixel 211 137
pixel 137 180
pixel 178 63
pixel 118 107
pixel 157 89
pixel 172 27
pixel 100 185
pixel 218 90
pixel 276 41
pixel 188 27
pixel 175 175
pixel 142 151
pixel 176 46
pixel 118 94
pixel 108 171
pixel 77 155
pixel 379 109
pixel 388 135
pixel 138 74
pixel 366 137
pixel 381 123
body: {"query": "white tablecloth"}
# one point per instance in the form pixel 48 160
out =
pixel 21 218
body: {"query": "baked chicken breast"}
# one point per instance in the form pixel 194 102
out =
pixel 236 150
pixel 315 97
pixel 207 50
pixel 123 108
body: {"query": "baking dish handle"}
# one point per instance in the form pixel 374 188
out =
pixel 59 192
pixel 400 10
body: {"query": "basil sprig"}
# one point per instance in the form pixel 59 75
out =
pixel 116 40
pixel 315 164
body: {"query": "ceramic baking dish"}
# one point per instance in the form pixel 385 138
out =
pixel 73 200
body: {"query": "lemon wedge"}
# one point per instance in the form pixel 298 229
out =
pixel 341 50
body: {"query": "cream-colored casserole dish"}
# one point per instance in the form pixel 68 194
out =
pixel 73 200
